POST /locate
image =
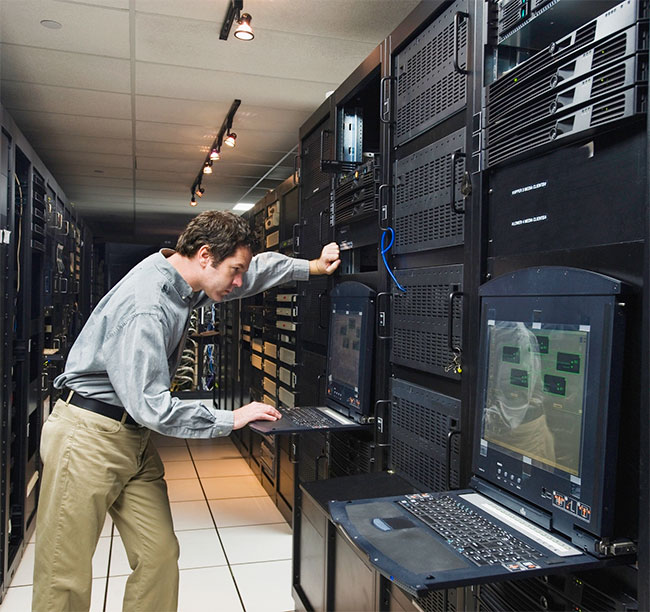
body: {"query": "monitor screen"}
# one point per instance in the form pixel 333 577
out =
pixel 346 347
pixel 535 392
pixel 350 345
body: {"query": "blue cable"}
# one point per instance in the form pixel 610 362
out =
pixel 384 250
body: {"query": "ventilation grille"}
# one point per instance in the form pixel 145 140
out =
pixel 610 50
pixel 566 48
pixel 429 107
pixel 359 210
pixel 310 464
pixel 504 598
pixel 436 601
pixel 428 87
pixel 615 108
pixel 349 455
pixel 420 422
pixel 313 180
pixel 423 217
pixel 510 14
pixel 608 80
pixel 608 111
pixel 420 318
pixel 533 96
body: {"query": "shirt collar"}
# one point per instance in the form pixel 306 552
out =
pixel 168 271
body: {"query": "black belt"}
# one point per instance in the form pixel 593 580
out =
pixel 107 410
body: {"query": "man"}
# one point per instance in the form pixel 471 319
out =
pixel 96 452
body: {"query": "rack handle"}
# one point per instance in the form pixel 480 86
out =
pixel 450 434
pixel 293 448
pixel 457 17
pixel 322 146
pixel 296 170
pixel 293 308
pixel 320 226
pixel 384 206
pixel 450 320
pixel 295 239
pixel 454 157
pixel 386 93
pixel 378 323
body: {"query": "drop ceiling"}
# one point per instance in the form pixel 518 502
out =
pixel 122 102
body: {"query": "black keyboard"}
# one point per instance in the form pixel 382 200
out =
pixel 472 535
pixel 308 417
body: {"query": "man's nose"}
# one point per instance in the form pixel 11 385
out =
pixel 238 281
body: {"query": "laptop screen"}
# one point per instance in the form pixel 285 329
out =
pixel 346 344
pixel 349 355
pixel 535 393
pixel 546 428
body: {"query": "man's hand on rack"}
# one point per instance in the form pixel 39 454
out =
pixel 328 260
pixel 255 411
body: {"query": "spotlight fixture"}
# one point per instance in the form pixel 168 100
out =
pixel 244 31
pixel 215 151
pixel 234 13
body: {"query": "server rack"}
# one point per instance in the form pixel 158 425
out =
pixel 43 242
pixel 445 180
pixel 268 346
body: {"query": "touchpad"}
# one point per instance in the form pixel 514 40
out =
pixel 400 539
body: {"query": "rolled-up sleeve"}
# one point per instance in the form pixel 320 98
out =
pixel 136 362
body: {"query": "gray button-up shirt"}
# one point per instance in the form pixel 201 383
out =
pixel 129 349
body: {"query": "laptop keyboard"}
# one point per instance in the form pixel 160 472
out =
pixel 307 417
pixel 472 535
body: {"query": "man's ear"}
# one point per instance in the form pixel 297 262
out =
pixel 204 256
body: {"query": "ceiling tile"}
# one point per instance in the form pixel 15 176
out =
pixel 61 142
pixel 65 100
pixel 191 112
pixel 204 136
pixel 181 42
pixel 86 29
pixel 197 153
pixel 48 67
pixel 362 20
pixel 51 123
pixel 74 181
pixel 300 92
pixel 117 4
pixel 206 10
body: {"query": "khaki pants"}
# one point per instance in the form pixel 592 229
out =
pixel 93 465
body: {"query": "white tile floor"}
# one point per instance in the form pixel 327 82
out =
pixel 242 564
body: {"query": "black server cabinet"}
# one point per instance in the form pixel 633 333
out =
pixel 560 133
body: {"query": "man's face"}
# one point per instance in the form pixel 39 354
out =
pixel 218 281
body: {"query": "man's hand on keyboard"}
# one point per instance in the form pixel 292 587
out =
pixel 255 411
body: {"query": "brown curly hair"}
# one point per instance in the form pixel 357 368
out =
pixel 222 232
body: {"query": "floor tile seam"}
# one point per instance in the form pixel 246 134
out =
pixel 257 525
pixel 244 497
pixel 223 548
pixel 247 525
pixel 180 569
pixel 260 562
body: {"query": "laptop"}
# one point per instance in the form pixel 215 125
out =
pixel 349 369
pixel 542 497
